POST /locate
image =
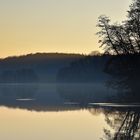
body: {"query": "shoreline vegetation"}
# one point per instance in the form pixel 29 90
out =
pixel 46 67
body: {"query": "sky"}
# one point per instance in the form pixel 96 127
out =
pixel 69 26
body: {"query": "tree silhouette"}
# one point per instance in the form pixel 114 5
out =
pixel 121 38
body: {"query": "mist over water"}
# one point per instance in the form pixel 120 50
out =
pixel 40 96
pixel 61 111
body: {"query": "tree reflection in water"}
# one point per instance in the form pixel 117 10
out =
pixel 124 122
pixel 125 78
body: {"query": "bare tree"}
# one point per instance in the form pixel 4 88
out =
pixel 121 38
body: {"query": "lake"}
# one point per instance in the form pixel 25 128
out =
pixel 65 112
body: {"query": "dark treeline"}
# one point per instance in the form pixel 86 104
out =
pixel 88 69
pixel 53 67
pixel 40 67
pixel 125 77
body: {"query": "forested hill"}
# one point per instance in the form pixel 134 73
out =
pixel 52 67
pixel 39 67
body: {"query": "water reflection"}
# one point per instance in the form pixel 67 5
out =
pixel 124 121
pixel 109 121
pixel 19 124
pixel 55 97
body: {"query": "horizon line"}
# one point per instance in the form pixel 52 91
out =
pixel 33 53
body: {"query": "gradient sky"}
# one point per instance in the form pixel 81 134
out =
pixel 29 26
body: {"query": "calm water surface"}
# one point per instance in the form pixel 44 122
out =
pixel 64 112
pixel 18 124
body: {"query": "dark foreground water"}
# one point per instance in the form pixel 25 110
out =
pixel 66 112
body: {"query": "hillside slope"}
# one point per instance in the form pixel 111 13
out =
pixel 39 67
